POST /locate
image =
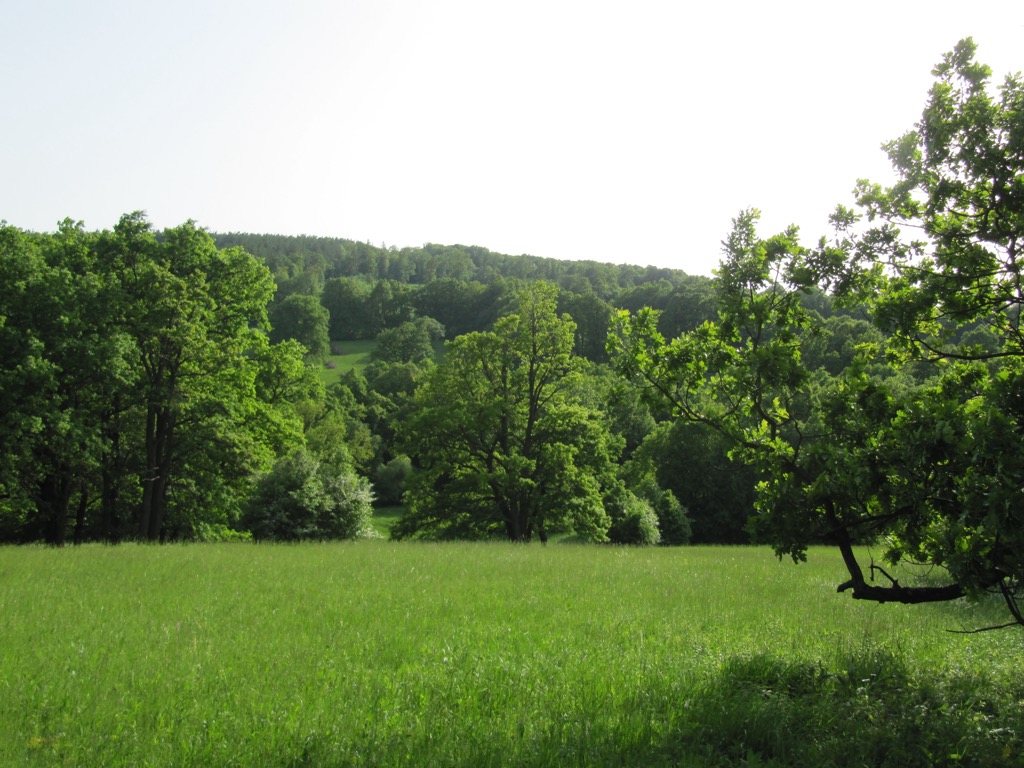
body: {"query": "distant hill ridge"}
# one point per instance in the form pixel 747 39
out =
pixel 289 255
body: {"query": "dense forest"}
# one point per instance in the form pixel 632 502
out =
pixel 165 385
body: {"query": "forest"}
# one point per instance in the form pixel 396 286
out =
pixel 169 385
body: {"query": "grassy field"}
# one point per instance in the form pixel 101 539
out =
pixel 382 653
pixel 385 517
pixel 353 355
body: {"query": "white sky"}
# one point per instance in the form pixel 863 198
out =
pixel 578 129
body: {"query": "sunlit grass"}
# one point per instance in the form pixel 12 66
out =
pixel 377 653
pixel 385 517
pixel 353 355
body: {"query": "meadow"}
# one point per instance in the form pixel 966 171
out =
pixel 379 653
pixel 349 355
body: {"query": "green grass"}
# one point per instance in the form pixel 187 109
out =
pixel 354 355
pixel 383 653
pixel 385 517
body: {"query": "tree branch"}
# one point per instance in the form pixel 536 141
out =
pixel 895 593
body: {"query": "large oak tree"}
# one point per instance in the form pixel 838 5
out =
pixel 931 471
pixel 501 444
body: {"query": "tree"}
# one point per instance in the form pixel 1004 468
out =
pixel 192 312
pixel 387 305
pixel 634 520
pixel 453 303
pixel 345 299
pixel 140 391
pixel 389 480
pixel 40 323
pixel 960 193
pixel 932 471
pixel 500 444
pixel 410 342
pixel 303 318
pixel 691 461
pixel 593 317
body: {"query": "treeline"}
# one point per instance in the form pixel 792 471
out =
pixel 165 385
pixel 300 263
pixel 143 398
pixel 367 289
pixel 359 289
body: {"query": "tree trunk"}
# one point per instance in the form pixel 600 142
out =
pixel 83 506
pixel 52 501
pixel 159 454
pixel 516 525
pixel 109 493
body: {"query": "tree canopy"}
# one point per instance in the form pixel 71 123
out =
pixel 926 463
pixel 502 444
pixel 142 395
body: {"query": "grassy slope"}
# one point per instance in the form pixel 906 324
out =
pixel 355 355
pixel 376 653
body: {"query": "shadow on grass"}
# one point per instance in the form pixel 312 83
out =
pixel 385 517
pixel 874 711
pixel 753 711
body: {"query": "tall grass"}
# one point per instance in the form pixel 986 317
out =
pixel 377 653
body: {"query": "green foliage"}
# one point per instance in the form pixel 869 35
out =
pixel 673 519
pixel 502 446
pixel 931 465
pixel 390 479
pixel 388 305
pixel 639 476
pixel 303 318
pixel 691 461
pixel 218 533
pixel 304 498
pixel 345 300
pixel 593 317
pixel 411 342
pixel 633 520
pixel 951 295
pixel 141 393
pixel 459 306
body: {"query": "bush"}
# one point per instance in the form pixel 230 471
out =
pixel 633 520
pixel 303 498
pixel 673 519
pixel 639 475
pixel 219 533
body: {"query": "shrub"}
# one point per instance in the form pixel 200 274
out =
pixel 633 520
pixel 303 498
pixel 218 533
pixel 673 519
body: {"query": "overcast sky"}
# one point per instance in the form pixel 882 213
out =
pixel 577 129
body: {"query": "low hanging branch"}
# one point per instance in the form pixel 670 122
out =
pixel 895 592
pixel 898 593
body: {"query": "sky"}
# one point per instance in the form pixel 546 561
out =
pixel 625 132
